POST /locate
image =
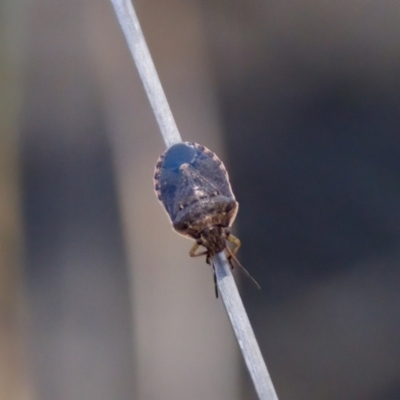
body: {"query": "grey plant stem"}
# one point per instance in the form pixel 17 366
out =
pixel 225 281
pixel 243 330
pixel 144 63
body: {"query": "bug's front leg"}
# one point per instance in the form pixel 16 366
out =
pixel 193 250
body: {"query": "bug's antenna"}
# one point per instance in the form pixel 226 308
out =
pixel 244 270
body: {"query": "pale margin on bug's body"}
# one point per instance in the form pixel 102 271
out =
pixel 226 284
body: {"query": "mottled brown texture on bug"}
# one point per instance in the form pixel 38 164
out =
pixel 192 184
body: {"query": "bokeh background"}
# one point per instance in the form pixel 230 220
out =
pixel 98 297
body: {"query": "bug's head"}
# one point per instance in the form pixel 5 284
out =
pixel 213 239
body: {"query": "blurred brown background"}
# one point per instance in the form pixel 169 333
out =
pixel 98 297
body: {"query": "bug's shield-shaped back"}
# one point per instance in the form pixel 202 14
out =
pixel 192 184
pixel 193 188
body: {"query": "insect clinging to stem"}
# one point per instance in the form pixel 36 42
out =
pixel 193 185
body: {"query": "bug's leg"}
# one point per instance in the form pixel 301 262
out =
pixel 215 283
pixel 236 243
pixel 193 250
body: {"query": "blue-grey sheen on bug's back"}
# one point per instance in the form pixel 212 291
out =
pixel 172 181
pixel 193 185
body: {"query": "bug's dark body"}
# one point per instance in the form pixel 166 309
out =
pixel 192 184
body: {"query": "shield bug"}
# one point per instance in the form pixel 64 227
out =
pixel 192 184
